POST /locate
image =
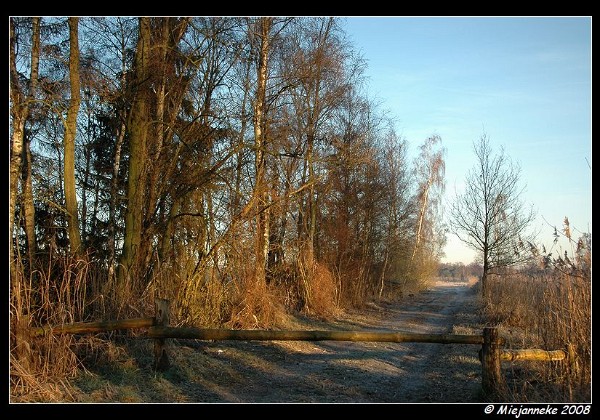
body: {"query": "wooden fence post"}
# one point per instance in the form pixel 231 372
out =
pixel 161 358
pixel 491 373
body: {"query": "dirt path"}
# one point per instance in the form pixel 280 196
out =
pixel 332 372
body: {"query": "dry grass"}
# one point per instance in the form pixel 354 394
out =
pixel 324 292
pixel 67 290
pixel 306 285
pixel 547 310
pixel 255 305
pixel 54 293
pixel 318 287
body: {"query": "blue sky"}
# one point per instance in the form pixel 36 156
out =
pixel 525 82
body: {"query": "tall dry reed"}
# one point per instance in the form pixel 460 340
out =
pixel 54 292
pixel 547 310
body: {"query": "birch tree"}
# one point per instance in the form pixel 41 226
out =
pixel 263 29
pixel 20 154
pixel 430 168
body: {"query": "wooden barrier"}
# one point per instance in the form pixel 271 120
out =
pixel 310 335
pixel 532 354
pixel 92 327
pixel 490 355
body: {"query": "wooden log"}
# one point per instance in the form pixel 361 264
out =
pixel 92 327
pixel 532 354
pixel 491 373
pixel 310 335
pixel 161 358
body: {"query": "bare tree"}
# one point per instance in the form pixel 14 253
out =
pixel 397 220
pixel 489 216
pixel 263 33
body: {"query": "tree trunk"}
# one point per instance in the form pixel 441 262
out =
pixel 114 182
pixel 27 182
pixel 19 145
pixel 486 267
pixel 311 220
pixel 28 205
pixel 18 113
pixel 69 139
pixel 16 161
pixel 237 207
pixel 421 218
pixel 165 250
pixel 262 217
pixel 138 132
pixel 112 208
pixel 160 44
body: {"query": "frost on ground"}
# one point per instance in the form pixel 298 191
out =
pixel 323 372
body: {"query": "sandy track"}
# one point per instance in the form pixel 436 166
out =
pixel 338 372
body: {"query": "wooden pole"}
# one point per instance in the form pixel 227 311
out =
pixel 532 354
pixel 491 373
pixel 161 358
pixel 248 335
pixel 91 327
